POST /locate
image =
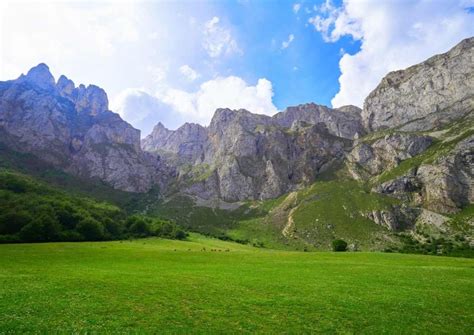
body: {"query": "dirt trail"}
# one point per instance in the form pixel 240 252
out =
pixel 286 210
pixel 289 229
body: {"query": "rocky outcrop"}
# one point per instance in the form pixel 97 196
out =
pixel 424 96
pixel 448 182
pixel 402 187
pixel 444 185
pixel 187 143
pixel 396 218
pixel 72 128
pixel 345 122
pixel 387 152
pixel 247 156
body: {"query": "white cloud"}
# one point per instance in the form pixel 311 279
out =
pixel 54 32
pixel 173 107
pixel 393 35
pixel 286 44
pixel 296 7
pixel 229 92
pixel 218 40
pixel 143 110
pixel 188 72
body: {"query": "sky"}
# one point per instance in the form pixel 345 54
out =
pixel 177 61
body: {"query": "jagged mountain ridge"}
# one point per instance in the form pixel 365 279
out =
pixel 247 156
pixel 232 160
pixel 412 141
pixel 72 128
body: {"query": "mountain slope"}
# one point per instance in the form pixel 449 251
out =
pixel 72 128
pixel 399 171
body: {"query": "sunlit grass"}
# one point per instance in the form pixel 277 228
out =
pixel 207 285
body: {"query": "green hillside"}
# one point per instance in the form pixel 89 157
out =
pixel 32 211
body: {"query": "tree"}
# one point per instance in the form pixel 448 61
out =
pixel 165 229
pixel 43 228
pixel 140 228
pixel 67 216
pixel 13 222
pixel 113 227
pixel 180 234
pixel 91 229
pixel 339 245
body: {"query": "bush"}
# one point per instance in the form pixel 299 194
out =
pixel 339 245
pixel 68 217
pixel 70 236
pixel 91 229
pixel 180 234
pixel 12 222
pixel 165 229
pixel 113 227
pixel 43 228
pixel 140 228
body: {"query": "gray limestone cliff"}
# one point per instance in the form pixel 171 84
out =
pixel 72 128
pixel 247 156
pixel 424 96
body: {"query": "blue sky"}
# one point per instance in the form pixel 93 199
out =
pixel 307 70
pixel 175 62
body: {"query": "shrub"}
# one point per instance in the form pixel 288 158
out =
pixel 339 245
pixel 165 229
pixel 70 236
pixel 43 228
pixel 113 227
pixel 68 217
pixel 9 239
pixel 140 228
pixel 12 222
pixel 180 234
pixel 91 229
pixel 13 183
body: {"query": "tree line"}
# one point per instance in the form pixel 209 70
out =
pixel 31 211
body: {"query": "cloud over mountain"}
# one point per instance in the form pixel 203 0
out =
pixel 174 106
pixel 393 35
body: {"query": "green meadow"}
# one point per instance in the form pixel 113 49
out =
pixel 205 285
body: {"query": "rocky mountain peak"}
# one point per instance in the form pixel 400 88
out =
pixel 222 116
pixel 159 126
pixel 40 76
pixel 345 122
pixel 65 86
pixel 91 100
pixel 80 136
pixel 424 96
pixel 351 109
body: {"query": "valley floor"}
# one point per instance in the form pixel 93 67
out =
pixel 210 286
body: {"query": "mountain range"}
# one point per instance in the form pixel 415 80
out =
pixel 404 162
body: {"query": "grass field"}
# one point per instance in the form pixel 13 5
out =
pixel 164 286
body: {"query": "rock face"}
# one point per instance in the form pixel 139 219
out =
pixel 388 152
pixel 345 122
pixel 186 144
pixel 72 128
pixel 247 156
pixel 426 95
pixel 401 187
pixel 396 218
pixel 448 183
pixel 443 185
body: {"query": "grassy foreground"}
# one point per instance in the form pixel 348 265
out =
pixel 166 286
